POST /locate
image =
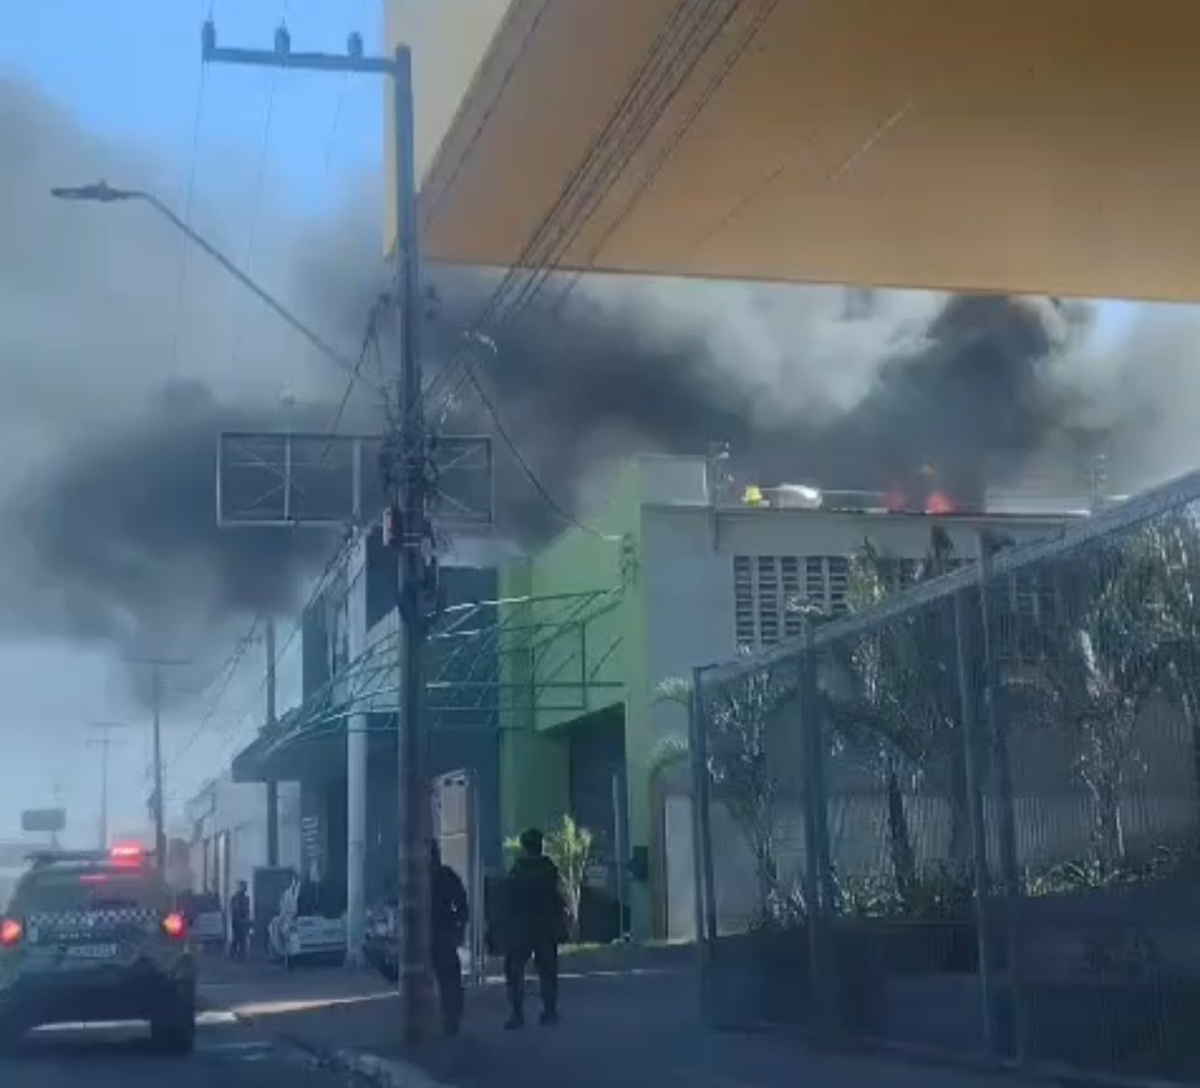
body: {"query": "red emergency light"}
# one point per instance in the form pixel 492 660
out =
pixel 128 854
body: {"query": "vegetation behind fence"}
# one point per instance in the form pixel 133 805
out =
pixel 965 811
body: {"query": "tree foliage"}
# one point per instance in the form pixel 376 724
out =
pixel 738 719
pixel 1123 632
pixel 893 710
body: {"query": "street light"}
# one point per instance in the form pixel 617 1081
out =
pixel 100 192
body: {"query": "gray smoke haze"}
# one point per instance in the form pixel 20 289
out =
pixel 108 523
pixel 107 515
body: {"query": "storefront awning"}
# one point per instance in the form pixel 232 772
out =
pixel 1009 145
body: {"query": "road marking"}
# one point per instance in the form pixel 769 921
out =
pixel 208 1018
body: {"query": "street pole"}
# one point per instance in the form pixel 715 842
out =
pixel 272 785
pixel 407 520
pixel 104 742
pixel 160 832
pixel 156 666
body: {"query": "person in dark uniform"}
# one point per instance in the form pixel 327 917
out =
pixel 449 913
pixel 239 921
pixel 535 927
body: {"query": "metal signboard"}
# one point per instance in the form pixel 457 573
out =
pixel 44 820
pixel 296 479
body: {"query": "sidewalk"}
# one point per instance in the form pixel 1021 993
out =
pixel 619 1030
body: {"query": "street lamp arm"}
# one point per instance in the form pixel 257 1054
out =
pixel 102 193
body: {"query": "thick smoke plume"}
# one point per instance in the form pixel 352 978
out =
pixel 121 365
pixel 109 528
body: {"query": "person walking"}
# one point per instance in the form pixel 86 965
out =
pixel 535 916
pixel 449 914
pixel 239 921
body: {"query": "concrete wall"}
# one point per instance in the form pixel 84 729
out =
pixel 686 564
pixel 670 553
pixel 574 640
pixel 238 811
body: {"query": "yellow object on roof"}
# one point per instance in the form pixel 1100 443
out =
pixel 753 496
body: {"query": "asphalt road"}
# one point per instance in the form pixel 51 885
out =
pixel 227 1053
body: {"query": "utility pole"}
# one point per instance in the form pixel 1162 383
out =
pixel 104 742
pixel 272 785
pixel 407 521
pixel 156 666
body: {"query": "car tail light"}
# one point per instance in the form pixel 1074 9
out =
pixel 11 932
pixel 175 925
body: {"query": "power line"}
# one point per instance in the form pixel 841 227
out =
pixel 645 100
pixel 646 106
pixel 529 471
pixel 189 200
pixel 747 38
pixel 607 153
pixel 224 679
pixel 226 673
pixel 255 214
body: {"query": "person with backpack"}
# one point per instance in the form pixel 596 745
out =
pixel 536 925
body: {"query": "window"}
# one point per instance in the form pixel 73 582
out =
pixel 773 592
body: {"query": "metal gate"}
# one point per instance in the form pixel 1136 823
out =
pixel 456 826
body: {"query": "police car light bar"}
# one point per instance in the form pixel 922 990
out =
pixel 126 852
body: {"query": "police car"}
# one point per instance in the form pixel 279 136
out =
pixel 96 936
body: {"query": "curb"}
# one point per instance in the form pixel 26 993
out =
pixel 382 1072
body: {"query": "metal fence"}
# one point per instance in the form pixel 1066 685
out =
pixel 964 815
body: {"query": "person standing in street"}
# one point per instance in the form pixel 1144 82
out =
pixel 536 912
pixel 449 914
pixel 239 921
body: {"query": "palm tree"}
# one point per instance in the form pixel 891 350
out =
pixel 892 710
pixel 1102 663
pixel 738 718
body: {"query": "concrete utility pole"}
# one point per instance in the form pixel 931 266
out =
pixel 272 785
pixel 407 521
pixel 104 742
pixel 156 666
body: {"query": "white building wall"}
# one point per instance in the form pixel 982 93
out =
pixel 237 811
pixel 687 570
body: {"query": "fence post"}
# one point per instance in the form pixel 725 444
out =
pixel 970 740
pixel 705 884
pixel 820 887
pixel 1010 870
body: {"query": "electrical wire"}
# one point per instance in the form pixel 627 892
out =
pixel 695 40
pixel 643 102
pixel 430 199
pixel 224 678
pixel 749 35
pixel 255 215
pixel 189 203
pixel 225 675
pixel 715 84
pixel 369 337
pixel 529 471
pixel 645 98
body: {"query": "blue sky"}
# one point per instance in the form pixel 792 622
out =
pixel 132 68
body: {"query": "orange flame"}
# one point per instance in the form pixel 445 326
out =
pixel 939 503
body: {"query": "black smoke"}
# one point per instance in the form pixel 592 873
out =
pixel 122 528
pixel 968 389
pixel 108 504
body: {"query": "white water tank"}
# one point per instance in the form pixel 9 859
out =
pixel 797 497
